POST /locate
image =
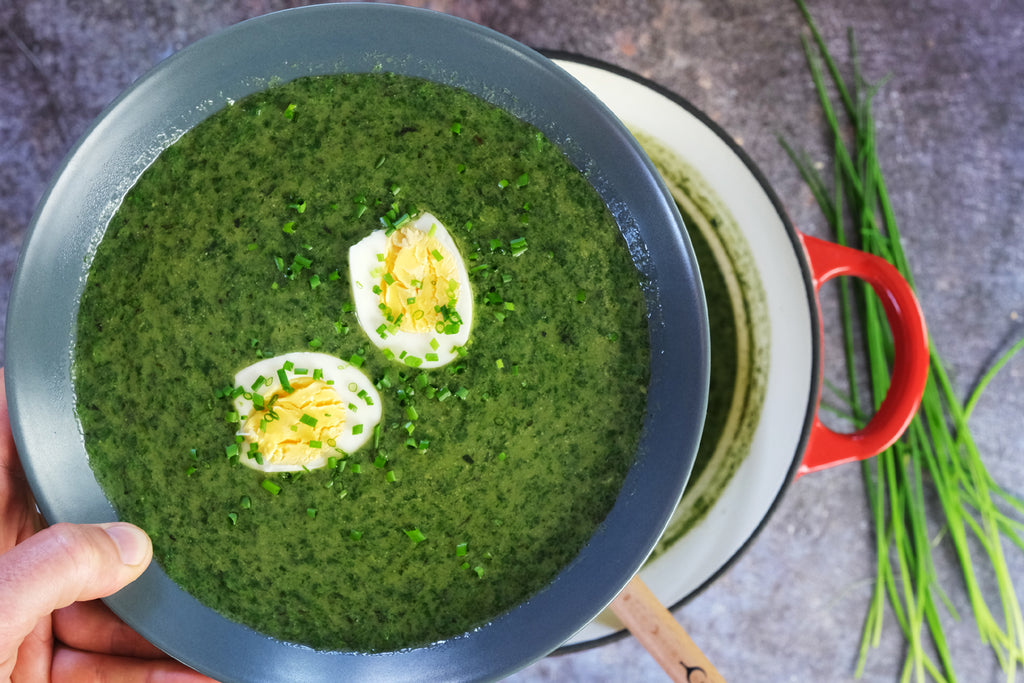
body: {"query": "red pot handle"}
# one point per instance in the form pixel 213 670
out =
pixel 825 447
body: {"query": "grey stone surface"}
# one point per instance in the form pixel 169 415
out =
pixel 951 131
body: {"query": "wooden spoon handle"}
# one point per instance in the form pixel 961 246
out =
pixel 658 631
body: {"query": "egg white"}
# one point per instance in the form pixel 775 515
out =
pixel 351 385
pixel 364 266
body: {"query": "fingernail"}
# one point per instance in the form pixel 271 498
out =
pixel 131 541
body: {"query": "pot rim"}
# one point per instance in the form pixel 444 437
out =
pixel 792 235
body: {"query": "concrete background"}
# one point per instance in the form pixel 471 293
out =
pixel 951 134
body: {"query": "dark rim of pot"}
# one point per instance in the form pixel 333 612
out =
pixel 812 304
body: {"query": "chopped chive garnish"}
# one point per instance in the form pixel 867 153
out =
pixel 499 363
pixel 523 180
pixel 233 516
pixel 355 535
pixel 288 228
pixel 503 183
pixel 410 412
pixel 357 429
pixel 231 451
pixel 308 420
pixel 314 281
pixel 282 376
pixel 356 360
pixel 437 255
pixel 272 488
pixel 461 549
pixel 311 513
pixel 390 476
pixel 479 571
pixel 191 470
pixel 581 295
pixel 456 128
pixel 416 535
pixel 245 502
pixel 413 361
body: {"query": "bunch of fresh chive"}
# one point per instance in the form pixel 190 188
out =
pixel 937 458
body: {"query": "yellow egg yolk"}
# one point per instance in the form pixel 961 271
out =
pixel 420 280
pixel 294 427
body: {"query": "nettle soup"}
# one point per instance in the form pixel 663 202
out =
pixel 367 358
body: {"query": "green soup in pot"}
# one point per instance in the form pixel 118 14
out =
pixel 483 478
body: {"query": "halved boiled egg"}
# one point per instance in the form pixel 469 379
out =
pixel 298 409
pixel 411 292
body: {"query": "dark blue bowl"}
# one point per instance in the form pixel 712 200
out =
pixel 246 58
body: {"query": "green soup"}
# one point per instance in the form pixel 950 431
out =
pixel 485 477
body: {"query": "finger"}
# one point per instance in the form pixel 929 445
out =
pixel 71 665
pixel 63 564
pixel 18 518
pixel 92 627
pixel 32 656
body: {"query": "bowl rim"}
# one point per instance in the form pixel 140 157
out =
pixel 67 225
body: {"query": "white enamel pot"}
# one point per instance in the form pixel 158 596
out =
pixel 789 440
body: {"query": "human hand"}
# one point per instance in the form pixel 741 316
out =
pixel 52 625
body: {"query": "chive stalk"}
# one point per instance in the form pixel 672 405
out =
pixel 937 457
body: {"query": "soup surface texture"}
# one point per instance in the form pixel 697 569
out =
pixel 484 476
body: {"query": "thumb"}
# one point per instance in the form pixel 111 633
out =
pixel 63 564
